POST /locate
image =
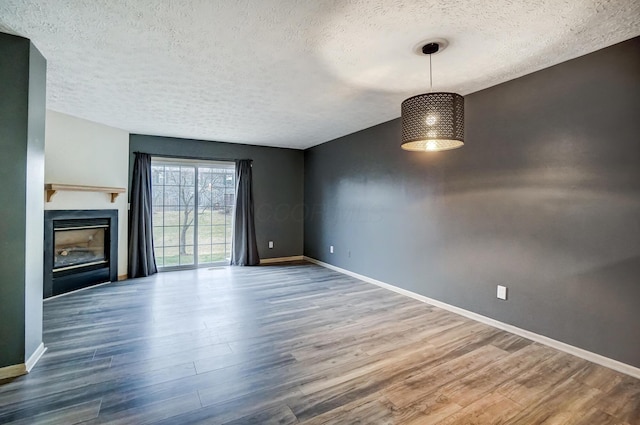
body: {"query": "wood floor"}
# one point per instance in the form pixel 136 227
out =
pixel 296 343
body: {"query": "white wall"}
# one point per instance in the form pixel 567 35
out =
pixel 82 152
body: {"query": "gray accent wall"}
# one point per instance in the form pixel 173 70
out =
pixel 34 244
pixel 278 184
pixel 544 198
pixel 22 120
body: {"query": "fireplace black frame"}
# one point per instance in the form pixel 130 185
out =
pixel 63 282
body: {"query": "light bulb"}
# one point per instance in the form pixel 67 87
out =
pixel 431 145
pixel 431 120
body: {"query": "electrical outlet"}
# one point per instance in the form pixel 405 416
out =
pixel 502 292
pixel 349 254
pixel 270 244
pixel 331 249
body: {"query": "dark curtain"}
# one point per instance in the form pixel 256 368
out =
pixel 142 261
pixel 244 249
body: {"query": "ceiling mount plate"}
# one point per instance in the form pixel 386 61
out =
pixel 429 45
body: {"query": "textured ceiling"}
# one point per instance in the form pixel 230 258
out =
pixel 292 73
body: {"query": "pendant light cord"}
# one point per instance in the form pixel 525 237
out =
pixel 430 76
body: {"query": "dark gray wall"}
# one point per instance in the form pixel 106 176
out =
pixel 22 106
pixel 543 198
pixel 278 184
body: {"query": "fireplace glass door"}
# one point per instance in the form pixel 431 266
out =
pixel 76 247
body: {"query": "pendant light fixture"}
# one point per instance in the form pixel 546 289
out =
pixel 433 121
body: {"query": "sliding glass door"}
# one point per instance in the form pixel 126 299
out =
pixel 192 212
pixel 216 196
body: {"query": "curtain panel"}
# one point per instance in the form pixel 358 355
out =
pixel 142 260
pixel 244 248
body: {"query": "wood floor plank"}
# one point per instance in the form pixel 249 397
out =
pixel 559 405
pixel 596 416
pixel 490 409
pixel 149 413
pixel 367 410
pixel 474 386
pixel 280 415
pixel 430 380
pixel 295 343
pixel 28 401
pixel 67 415
pixel 535 383
pixel 623 400
pixel 249 404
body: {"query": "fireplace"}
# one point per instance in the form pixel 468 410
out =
pixel 80 249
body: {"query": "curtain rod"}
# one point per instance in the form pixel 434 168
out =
pixel 194 157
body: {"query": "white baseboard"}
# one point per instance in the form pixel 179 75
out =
pixel 31 361
pixel 23 368
pixel 558 345
pixel 77 290
pixel 281 259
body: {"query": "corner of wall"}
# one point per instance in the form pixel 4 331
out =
pixel 78 151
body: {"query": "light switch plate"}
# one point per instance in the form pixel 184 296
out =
pixel 270 244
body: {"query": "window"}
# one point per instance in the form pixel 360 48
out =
pixel 192 211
